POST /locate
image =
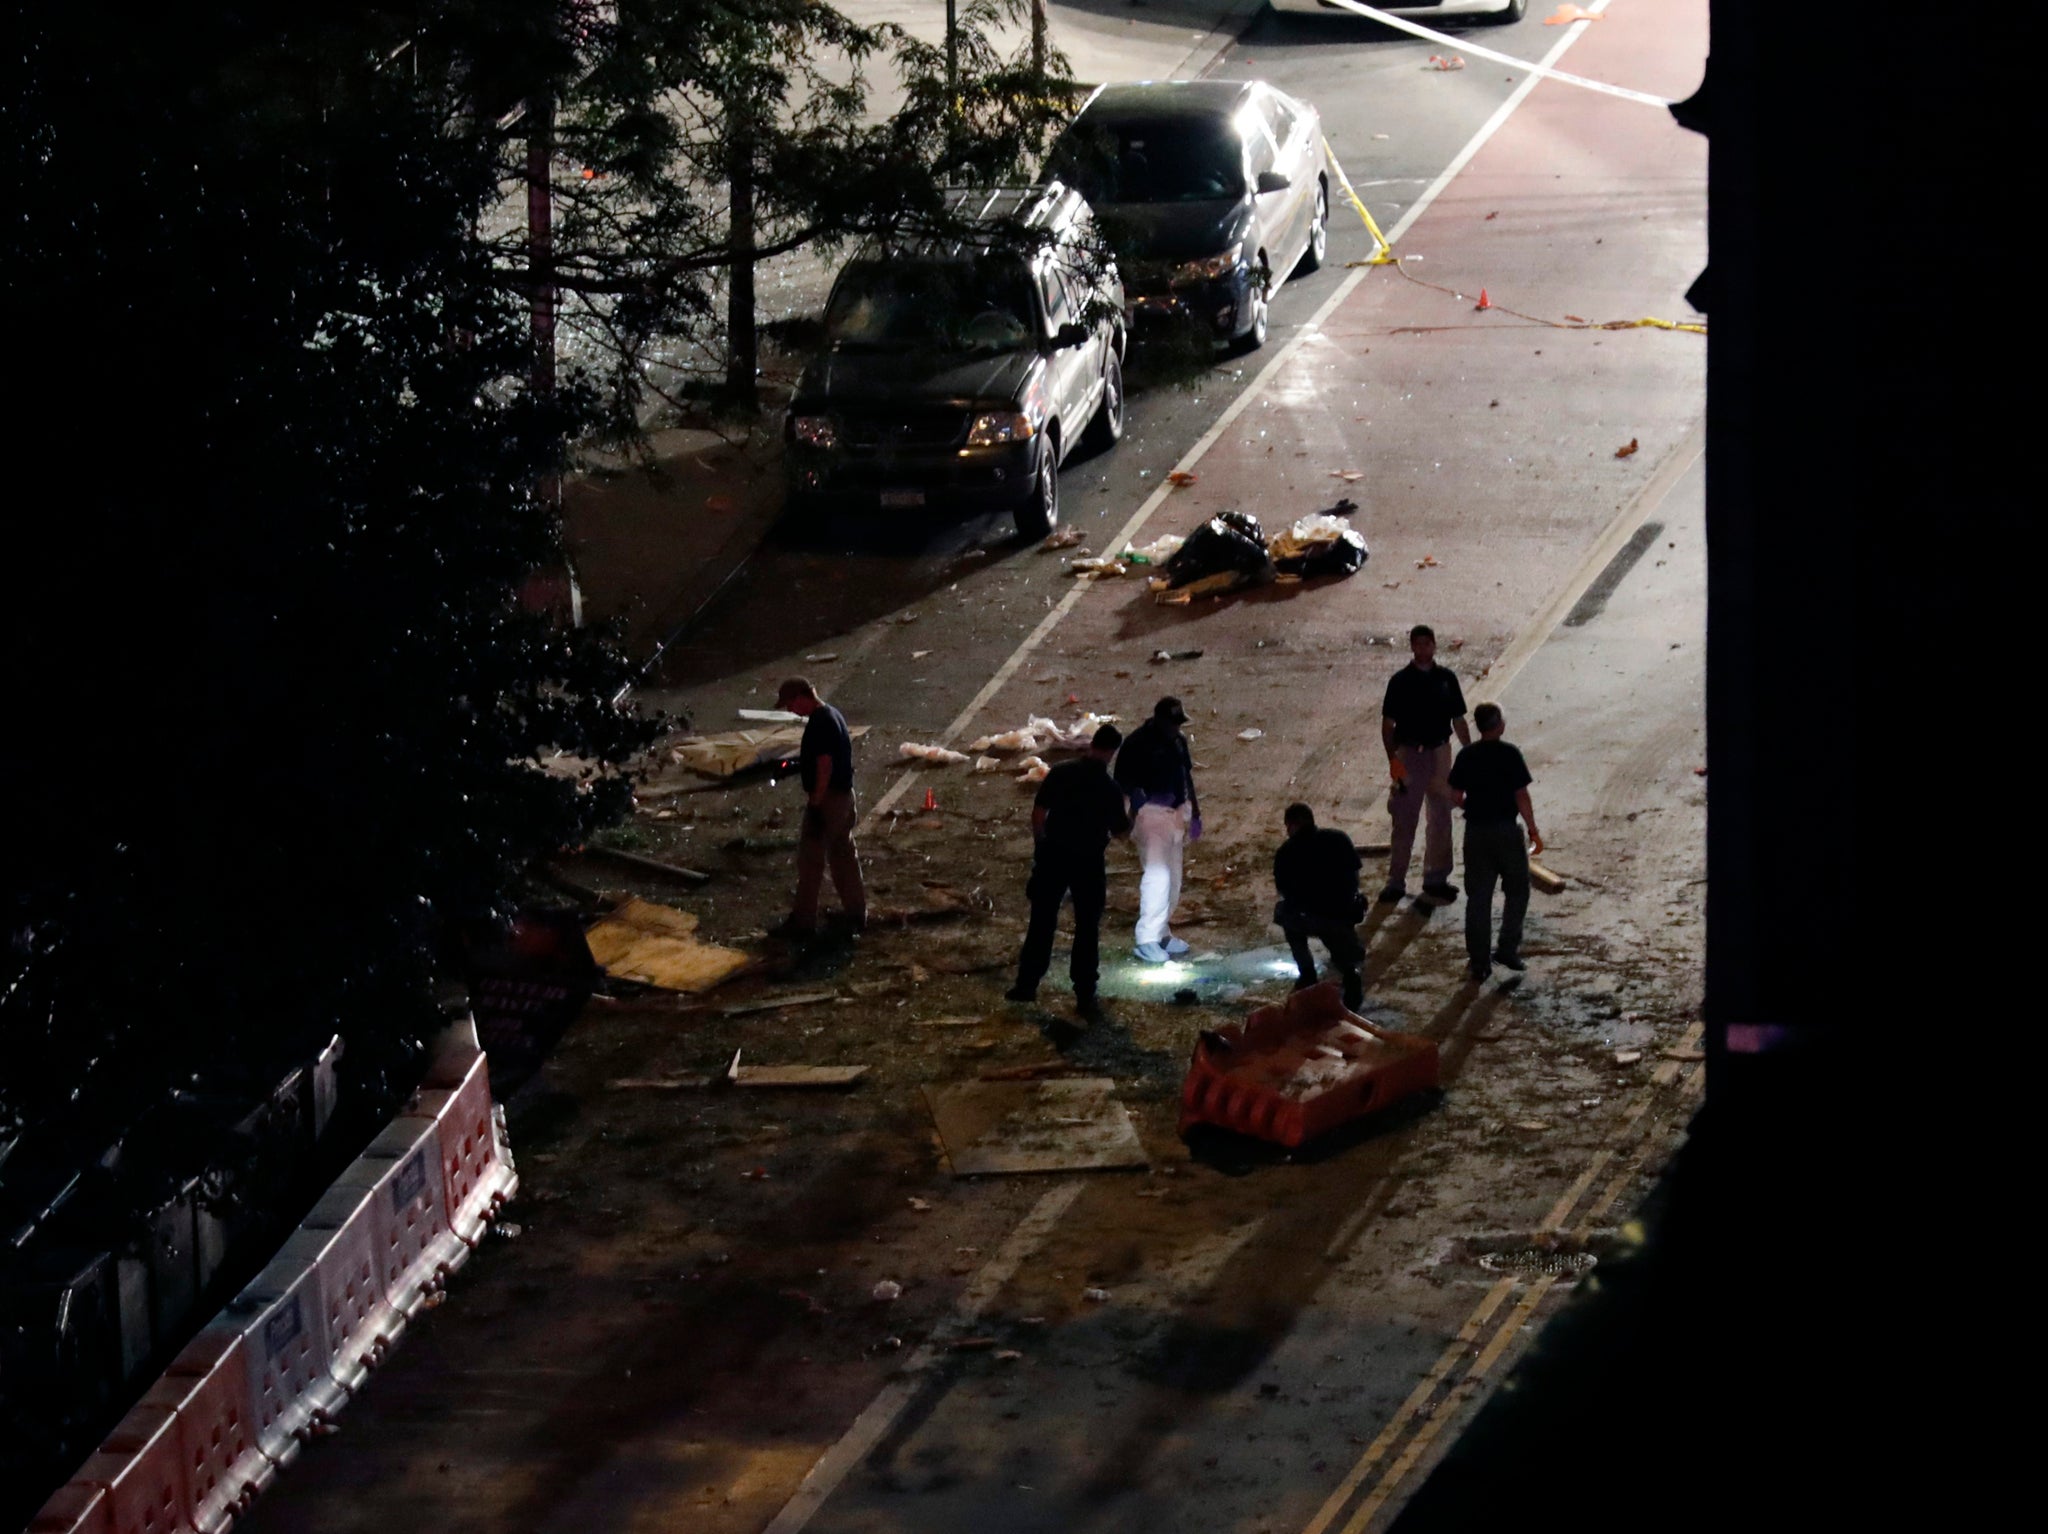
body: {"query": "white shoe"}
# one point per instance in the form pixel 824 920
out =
pixel 1174 946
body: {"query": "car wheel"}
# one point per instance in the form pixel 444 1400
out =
pixel 1513 11
pixel 1319 232
pixel 1037 516
pixel 1107 429
pixel 1259 296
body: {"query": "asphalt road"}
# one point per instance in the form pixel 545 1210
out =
pixel 1289 1343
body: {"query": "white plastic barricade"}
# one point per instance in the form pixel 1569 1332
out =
pixel 340 1239
pixel 143 1473
pixel 476 1163
pixel 408 1212
pixel 215 1398
pixel 77 1508
pixel 278 1318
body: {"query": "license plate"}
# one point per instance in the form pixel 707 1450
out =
pixel 902 497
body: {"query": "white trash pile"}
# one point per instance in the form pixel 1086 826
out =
pixel 1036 734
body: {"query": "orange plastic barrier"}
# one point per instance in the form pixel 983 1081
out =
pixel 143 1474
pixel 1293 1072
pixel 76 1508
pixel 476 1164
pixel 340 1241
pixel 408 1210
pixel 209 1388
pixel 277 1320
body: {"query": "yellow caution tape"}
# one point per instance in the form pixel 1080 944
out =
pixel 1383 254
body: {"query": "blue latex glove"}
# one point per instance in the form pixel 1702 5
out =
pixel 1195 829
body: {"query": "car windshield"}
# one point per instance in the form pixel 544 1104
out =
pixel 1151 160
pixel 946 306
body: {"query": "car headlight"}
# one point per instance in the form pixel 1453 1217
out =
pixel 1211 266
pixel 999 427
pixel 815 430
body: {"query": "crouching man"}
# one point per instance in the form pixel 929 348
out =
pixel 1316 872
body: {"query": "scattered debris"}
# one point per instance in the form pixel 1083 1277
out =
pixel 1179 477
pixel 1095 1296
pixel 919 654
pixel 1099 569
pixel 1627 451
pixel 1349 476
pixel 1157 552
pixel 657 945
pixel 1544 879
pixel 939 754
pixel 921 1205
pixel 971 1344
pixel 508 1230
pixel 1225 552
pixel 1251 734
pixel 1322 543
pixel 1007 1355
pixel 1627 1056
pixel 904 618
pixel 1427 562
pixel 1161 656
pixel 888 1289
pixel 1565 15
pixel 1035 769
pixel 989 763
pixel 770 716
pixel 1685 1054
pixel 1439 62
pixel 823 656
pixel 1063 538
pixel 1533 1125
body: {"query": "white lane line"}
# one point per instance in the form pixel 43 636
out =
pixel 1466 45
pixel 1610 542
pixel 872 1425
pixel 1209 438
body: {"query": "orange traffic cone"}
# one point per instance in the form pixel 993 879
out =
pixel 931 800
pixel 1484 301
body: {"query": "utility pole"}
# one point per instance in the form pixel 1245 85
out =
pixel 952 75
pixel 1039 46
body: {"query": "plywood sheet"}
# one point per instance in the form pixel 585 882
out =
pixel 1071 1125
pixel 658 945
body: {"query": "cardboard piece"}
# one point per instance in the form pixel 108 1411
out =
pixel 657 945
pixel 1072 1125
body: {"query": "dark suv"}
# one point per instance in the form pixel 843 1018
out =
pixel 959 375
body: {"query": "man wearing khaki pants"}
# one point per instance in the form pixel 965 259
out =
pixel 825 768
pixel 1424 704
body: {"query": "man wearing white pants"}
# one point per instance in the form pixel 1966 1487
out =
pixel 1157 773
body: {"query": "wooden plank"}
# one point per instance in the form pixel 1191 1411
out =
pixel 776 1003
pixel 645 865
pixel 764 1076
pixel 1544 879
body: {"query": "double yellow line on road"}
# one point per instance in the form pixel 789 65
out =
pixel 1438 1398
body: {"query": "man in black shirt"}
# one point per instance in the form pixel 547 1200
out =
pixel 1424 704
pixel 1078 809
pixel 825 768
pixel 1157 772
pixel 1491 782
pixel 1316 872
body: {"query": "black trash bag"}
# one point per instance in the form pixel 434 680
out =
pixel 1230 544
pixel 1342 555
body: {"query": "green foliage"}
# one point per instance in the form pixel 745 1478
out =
pixel 279 724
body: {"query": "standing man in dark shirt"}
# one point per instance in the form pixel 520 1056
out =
pixel 1491 782
pixel 1424 704
pixel 825 768
pixel 1078 809
pixel 1316 872
pixel 1157 773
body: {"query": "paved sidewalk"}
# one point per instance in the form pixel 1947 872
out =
pixel 650 550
